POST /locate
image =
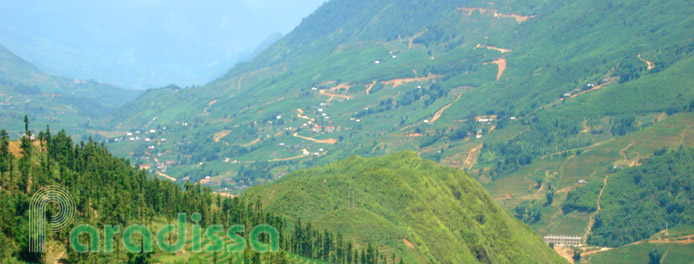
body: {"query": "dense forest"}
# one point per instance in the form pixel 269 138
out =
pixel 109 191
pixel 639 202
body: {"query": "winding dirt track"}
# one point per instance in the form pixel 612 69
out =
pixel 492 48
pixel 292 158
pixel 332 96
pixel 397 82
pixel 440 112
pixel 415 37
pixel 472 156
pixel 592 89
pixel 591 222
pixel 251 143
pixel 166 176
pixel 299 115
pixel 322 141
pixel 205 111
pixel 369 86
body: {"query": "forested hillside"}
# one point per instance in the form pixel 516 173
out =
pixel 642 201
pixel 109 191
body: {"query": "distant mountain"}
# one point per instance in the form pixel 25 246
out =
pixel 407 206
pixel 535 99
pixel 159 43
pixel 68 103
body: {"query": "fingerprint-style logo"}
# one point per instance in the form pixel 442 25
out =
pixel 49 196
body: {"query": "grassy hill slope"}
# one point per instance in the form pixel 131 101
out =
pixel 414 207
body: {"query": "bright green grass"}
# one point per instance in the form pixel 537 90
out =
pixel 674 254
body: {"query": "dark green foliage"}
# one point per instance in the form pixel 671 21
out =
pixel 624 125
pixel 641 201
pixel 577 256
pixel 108 190
pixel 528 211
pixel 654 256
pixel 583 198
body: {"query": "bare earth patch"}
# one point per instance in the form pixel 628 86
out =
pixel 397 82
pixel 322 141
pixel 565 252
pixel 519 18
pixel 651 65
pixel 472 156
pixel 407 243
pixel 221 134
pixel 492 48
pixel 15 149
pixel 341 86
pixel 501 63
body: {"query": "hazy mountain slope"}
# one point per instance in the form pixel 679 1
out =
pixel 24 89
pixel 425 212
pixel 529 97
pixel 377 54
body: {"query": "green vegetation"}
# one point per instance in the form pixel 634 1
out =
pixel 411 206
pixel 583 199
pixel 641 201
pixel 578 99
pixel 541 101
pixel 644 253
pixel 63 102
pixel 109 191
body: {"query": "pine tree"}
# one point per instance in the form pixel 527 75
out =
pixel 26 126
pixel 4 156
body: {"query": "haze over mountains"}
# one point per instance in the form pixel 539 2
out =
pixel 144 44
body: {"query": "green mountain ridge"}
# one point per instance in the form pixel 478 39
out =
pixel 466 217
pixel 428 213
pixel 67 103
pixel 541 102
pixel 529 97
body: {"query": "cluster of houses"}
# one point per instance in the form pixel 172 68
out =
pixel 137 135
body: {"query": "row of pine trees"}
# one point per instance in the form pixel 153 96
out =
pixel 109 191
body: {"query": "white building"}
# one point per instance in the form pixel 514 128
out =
pixel 564 241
